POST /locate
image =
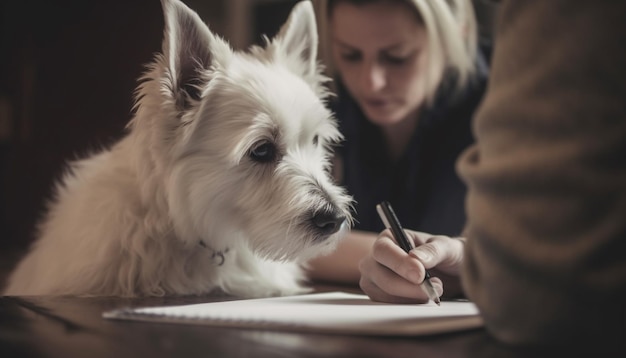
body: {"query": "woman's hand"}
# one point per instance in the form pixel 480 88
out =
pixel 388 274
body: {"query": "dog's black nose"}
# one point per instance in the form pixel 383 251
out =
pixel 328 222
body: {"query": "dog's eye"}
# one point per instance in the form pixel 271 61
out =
pixel 316 139
pixel 263 152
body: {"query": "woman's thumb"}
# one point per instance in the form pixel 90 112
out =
pixel 426 254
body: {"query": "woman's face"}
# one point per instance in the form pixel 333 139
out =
pixel 378 49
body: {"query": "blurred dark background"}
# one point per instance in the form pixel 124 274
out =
pixel 68 70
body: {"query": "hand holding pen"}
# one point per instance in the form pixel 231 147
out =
pixel 391 221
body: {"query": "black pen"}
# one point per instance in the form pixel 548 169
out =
pixel 390 220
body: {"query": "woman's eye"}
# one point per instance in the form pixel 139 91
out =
pixel 394 60
pixel 263 152
pixel 351 56
pixel 400 58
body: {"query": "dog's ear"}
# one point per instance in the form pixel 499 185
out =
pixel 189 49
pixel 297 39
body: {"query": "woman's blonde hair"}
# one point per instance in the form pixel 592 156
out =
pixel 452 37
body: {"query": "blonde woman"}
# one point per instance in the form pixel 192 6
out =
pixel 409 77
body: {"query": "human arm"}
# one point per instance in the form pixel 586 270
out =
pixel 546 235
pixel 342 265
pixel 388 274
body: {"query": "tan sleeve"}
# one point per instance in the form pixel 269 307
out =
pixel 546 204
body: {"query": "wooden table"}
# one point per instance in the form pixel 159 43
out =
pixel 73 327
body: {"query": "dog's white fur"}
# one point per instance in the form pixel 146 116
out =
pixel 218 186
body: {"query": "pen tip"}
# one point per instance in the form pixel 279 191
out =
pixel 437 301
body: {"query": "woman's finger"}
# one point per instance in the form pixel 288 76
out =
pixel 442 252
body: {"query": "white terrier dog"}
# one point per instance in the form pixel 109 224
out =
pixel 221 186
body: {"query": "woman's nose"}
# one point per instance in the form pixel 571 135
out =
pixel 374 77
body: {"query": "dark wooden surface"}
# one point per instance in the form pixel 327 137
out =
pixel 73 327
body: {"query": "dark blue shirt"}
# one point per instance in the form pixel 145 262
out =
pixel 422 186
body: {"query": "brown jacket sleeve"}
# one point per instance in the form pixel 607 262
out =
pixel 546 248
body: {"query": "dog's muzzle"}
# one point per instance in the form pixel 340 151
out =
pixel 326 222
